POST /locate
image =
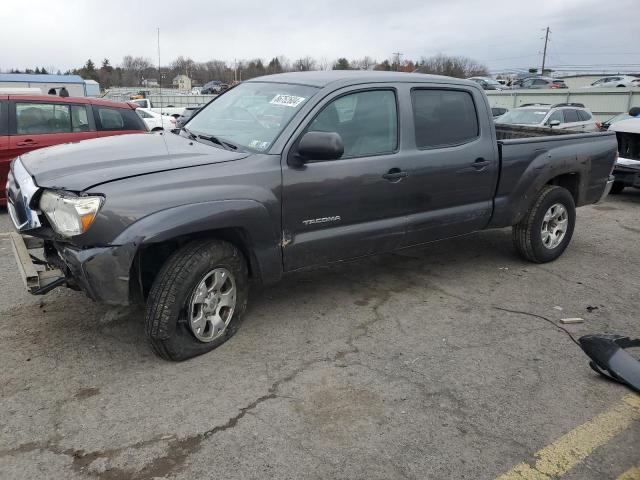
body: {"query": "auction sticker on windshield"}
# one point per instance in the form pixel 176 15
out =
pixel 287 100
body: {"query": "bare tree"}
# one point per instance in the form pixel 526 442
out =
pixel 452 66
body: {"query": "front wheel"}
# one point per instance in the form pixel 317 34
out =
pixel 197 299
pixel 546 229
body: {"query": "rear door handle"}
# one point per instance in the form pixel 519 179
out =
pixel 26 143
pixel 394 175
pixel 480 163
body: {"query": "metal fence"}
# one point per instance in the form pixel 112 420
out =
pixel 163 100
pixel 603 103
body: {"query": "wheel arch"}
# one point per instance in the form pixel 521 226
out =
pixel 244 223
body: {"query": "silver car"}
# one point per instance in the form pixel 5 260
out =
pixel 615 81
pixel 569 116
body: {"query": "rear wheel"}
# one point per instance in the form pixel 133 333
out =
pixel 617 187
pixel 197 300
pixel 547 227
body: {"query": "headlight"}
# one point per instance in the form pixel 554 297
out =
pixel 69 214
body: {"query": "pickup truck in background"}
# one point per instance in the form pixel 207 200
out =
pixel 145 103
pixel 627 169
pixel 289 172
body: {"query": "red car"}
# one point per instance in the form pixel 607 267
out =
pixel 28 122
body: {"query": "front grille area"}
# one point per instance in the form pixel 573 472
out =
pixel 629 145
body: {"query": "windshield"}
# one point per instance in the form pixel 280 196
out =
pixel 251 115
pixel 523 117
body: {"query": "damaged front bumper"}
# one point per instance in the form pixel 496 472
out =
pixel 102 273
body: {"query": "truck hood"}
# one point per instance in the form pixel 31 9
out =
pixel 81 165
pixel 631 125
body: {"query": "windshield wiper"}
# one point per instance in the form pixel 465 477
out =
pixel 226 144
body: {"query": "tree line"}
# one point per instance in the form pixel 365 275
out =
pixel 139 71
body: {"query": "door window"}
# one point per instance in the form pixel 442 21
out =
pixel 584 116
pixel 79 118
pixel 366 121
pixel 539 82
pixel 3 118
pixel 443 117
pixel 557 115
pixel 118 119
pixel 39 118
pixel 571 115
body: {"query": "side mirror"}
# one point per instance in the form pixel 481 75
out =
pixel 634 111
pixel 320 146
pixel 554 123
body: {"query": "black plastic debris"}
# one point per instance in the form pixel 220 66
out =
pixel 610 359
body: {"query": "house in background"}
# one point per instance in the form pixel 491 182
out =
pixel 182 82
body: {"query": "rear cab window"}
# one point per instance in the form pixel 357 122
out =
pixel 117 119
pixel 444 117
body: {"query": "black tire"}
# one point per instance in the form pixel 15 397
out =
pixel 617 188
pixel 527 236
pixel 166 315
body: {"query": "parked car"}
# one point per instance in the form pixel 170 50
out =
pixel 569 116
pixel 627 168
pixel 29 122
pixel 156 122
pixel 169 110
pixel 498 111
pixel 614 81
pixel 214 87
pixel 488 83
pixel 183 221
pixel 186 115
pixel 616 118
pixel 540 82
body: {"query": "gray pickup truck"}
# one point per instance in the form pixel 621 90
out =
pixel 288 172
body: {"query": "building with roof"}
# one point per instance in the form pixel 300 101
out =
pixel 182 82
pixel 75 84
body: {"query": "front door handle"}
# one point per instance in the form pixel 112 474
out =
pixel 394 175
pixel 27 143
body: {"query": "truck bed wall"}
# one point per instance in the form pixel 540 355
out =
pixel 528 164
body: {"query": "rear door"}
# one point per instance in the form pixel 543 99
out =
pixel 38 124
pixel 452 168
pixel 355 205
pixel 117 121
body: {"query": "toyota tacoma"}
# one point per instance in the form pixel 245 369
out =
pixel 289 172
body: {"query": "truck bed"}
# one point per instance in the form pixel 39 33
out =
pixel 530 157
pixel 507 132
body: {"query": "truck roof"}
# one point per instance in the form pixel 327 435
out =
pixel 353 77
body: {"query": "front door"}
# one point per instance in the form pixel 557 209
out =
pixel 352 206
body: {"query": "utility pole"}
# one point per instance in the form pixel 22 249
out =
pixel 544 53
pixel 397 55
pixel 159 72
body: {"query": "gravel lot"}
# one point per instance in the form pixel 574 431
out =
pixel 398 366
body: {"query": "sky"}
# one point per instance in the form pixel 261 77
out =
pixel 585 34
